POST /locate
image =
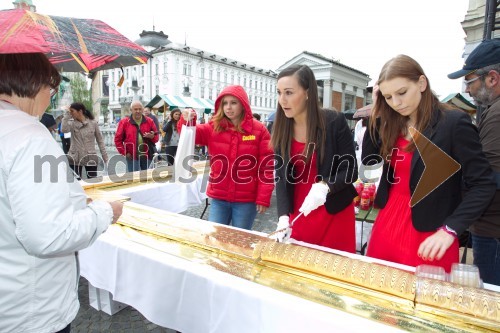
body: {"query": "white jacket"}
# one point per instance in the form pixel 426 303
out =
pixel 43 223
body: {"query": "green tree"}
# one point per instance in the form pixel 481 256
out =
pixel 80 90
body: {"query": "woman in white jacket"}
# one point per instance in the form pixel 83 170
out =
pixel 45 214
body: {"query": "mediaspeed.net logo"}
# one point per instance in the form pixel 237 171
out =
pixel 439 167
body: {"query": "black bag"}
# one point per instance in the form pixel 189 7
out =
pixel 151 149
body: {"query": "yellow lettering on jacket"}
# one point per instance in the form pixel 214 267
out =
pixel 248 137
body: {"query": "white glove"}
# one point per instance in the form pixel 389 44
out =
pixel 283 223
pixel 315 198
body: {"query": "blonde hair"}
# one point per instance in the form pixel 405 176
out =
pixel 221 122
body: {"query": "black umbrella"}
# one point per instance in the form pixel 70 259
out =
pixel 349 114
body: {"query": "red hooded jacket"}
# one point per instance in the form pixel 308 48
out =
pixel 127 136
pixel 241 164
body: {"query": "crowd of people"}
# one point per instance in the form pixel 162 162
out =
pixel 309 159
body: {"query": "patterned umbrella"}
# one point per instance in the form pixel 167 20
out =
pixel 72 44
pixel 363 112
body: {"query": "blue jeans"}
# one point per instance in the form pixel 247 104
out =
pixel 137 165
pixel 487 258
pixel 237 214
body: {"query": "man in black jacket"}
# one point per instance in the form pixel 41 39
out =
pixel 481 74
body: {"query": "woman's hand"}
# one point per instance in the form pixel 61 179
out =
pixel 375 93
pixel 117 207
pixel 188 114
pixel 261 209
pixel 149 135
pixel 315 198
pixel 435 246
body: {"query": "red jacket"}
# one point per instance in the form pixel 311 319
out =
pixel 241 164
pixel 127 136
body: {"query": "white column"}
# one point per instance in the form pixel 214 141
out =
pixel 327 93
pixel 343 97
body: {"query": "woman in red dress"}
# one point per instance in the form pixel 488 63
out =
pixel 316 165
pixel 422 229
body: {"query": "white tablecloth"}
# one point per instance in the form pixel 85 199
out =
pixel 190 297
pixel 169 196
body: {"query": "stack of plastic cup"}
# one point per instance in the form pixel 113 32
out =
pixel 465 275
pixel 431 272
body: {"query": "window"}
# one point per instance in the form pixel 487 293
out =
pixel 105 85
pixel 225 77
pixel 113 95
pixel 260 103
pixel 142 70
pixel 232 78
pixel 348 102
pixel 211 74
pixel 265 102
pixel 218 76
pixel 157 68
pixel 186 69
pixel 202 92
pixel 250 83
pixel 157 89
pixel 210 93
pixel 202 73
pixel 164 68
pixel 244 82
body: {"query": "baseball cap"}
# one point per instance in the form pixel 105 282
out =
pixel 485 54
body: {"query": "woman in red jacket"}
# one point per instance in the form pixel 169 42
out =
pixel 241 160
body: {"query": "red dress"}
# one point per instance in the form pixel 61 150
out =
pixel 336 231
pixel 393 236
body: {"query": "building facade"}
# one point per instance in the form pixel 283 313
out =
pixel 176 69
pixel 474 25
pixel 340 87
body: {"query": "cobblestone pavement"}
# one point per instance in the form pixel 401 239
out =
pixel 129 319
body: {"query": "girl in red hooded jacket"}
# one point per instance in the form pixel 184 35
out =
pixel 241 160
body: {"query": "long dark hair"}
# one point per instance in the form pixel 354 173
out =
pixel 393 124
pixel 282 134
pixel 81 107
pixel 172 119
pixel 25 74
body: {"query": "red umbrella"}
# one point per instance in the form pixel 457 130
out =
pixel 363 112
pixel 72 44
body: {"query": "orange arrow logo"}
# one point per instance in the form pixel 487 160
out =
pixel 439 166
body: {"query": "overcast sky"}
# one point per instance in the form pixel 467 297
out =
pixel 265 33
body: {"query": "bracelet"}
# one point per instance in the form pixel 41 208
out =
pixel 449 231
